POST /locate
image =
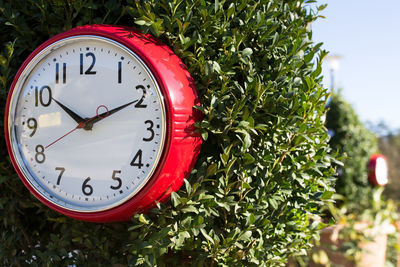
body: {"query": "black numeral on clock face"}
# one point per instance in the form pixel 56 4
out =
pixel 43 96
pixel 64 72
pixel 140 104
pixel 87 189
pixel 32 124
pixel 119 71
pixel 62 170
pixel 89 70
pixel 150 129
pixel 39 156
pixel 114 177
pixel 137 159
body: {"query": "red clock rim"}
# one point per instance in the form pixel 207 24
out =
pixel 106 31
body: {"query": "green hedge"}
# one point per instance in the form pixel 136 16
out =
pixel 264 168
pixel 356 144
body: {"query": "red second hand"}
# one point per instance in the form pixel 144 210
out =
pixel 80 125
pixel 77 127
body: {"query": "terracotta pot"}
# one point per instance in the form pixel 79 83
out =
pixel 373 252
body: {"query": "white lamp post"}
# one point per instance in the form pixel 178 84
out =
pixel 333 63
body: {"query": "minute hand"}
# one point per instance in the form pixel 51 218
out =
pixel 106 114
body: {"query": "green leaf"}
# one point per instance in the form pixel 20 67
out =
pixel 204 135
pixel 204 233
pixel 231 10
pixel 250 220
pixel 187 186
pixel 211 170
pixel 245 236
pixel 327 195
pixel 247 52
pixel 175 199
pixel 190 209
pixel 275 39
pixel 143 219
pixel 246 140
pixel 248 159
pixel 134 227
pixel 140 22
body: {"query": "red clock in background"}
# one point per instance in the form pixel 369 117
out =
pixel 99 123
pixel 378 170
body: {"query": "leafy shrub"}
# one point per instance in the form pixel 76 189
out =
pixel 356 144
pixel 358 202
pixel 264 168
pixel 389 146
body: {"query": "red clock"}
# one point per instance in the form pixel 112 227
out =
pixel 377 170
pixel 99 123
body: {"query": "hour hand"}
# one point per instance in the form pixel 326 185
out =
pixel 72 114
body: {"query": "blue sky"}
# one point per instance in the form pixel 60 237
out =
pixel 366 33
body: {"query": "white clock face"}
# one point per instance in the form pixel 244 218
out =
pixel 87 123
pixel 381 171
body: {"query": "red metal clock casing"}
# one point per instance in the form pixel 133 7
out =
pixel 377 170
pixel 182 144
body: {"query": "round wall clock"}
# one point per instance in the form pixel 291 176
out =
pixel 377 170
pixel 99 123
